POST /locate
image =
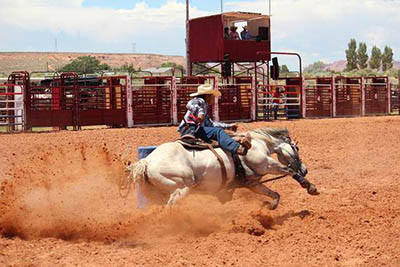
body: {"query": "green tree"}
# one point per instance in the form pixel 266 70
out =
pixel 387 59
pixel 173 65
pixel 351 55
pixel 284 69
pixel 316 67
pixel 376 58
pixel 85 64
pixel 127 67
pixel 362 56
pixel 202 68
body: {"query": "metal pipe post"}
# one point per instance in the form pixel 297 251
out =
pixel 188 65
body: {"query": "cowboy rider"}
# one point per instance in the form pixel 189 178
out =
pixel 196 122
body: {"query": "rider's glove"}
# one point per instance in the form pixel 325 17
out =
pixel 233 127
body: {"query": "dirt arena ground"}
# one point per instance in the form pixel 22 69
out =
pixel 60 203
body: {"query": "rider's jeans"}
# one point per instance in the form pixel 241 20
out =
pixel 212 133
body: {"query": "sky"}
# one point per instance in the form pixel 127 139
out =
pixel 317 29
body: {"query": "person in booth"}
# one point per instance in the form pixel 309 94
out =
pixel 227 33
pixel 196 122
pixel 245 34
pixel 234 35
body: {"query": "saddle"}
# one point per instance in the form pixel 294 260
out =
pixel 189 141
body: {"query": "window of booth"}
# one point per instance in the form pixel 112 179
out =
pixel 251 29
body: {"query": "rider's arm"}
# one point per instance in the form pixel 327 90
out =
pixel 210 122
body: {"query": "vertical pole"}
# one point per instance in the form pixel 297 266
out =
pixel 253 99
pixel 333 97
pixel 129 111
pixel 389 96
pixel 363 89
pixel 269 7
pixel 255 84
pixel 174 101
pixel 216 102
pixel 188 64
pixel 222 7
pixel 303 97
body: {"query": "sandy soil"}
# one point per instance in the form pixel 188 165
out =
pixel 60 203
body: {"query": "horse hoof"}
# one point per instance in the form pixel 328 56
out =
pixel 274 204
pixel 271 205
pixel 312 190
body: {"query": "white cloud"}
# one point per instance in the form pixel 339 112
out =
pixel 315 28
pixel 325 26
pixel 105 24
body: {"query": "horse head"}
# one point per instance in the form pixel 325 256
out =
pixel 288 155
pixel 279 142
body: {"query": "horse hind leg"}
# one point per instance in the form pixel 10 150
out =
pixel 178 195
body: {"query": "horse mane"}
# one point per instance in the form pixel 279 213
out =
pixel 279 133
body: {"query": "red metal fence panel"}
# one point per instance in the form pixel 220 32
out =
pixel 236 100
pixel 103 104
pixel 152 100
pixel 348 96
pixel 69 101
pixel 318 97
pixel 376 95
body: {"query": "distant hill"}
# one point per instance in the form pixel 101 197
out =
pixel 41 61
pixel 340 65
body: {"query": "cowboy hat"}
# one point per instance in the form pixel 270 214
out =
pixel 206 89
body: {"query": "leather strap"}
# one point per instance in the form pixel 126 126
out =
pixel 223 168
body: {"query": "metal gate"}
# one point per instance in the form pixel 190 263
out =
pixel 152 100
pixel 236 100
pixel 280 100
pixel 319 97
pixel 348 96
pixel 376 95
pixel 11 107
pixel 395 97
pixel 102 101
pixel 69 100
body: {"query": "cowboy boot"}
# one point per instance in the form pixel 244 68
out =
pixel 246 141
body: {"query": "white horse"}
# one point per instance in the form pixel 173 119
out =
pixel 177 171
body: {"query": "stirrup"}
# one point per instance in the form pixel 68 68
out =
pixel 242 150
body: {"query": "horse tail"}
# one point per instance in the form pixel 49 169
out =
pixel 137 171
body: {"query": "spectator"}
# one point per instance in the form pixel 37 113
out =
pixel 227 33
pixel 276 101
pixel 233 34
pixel 245 34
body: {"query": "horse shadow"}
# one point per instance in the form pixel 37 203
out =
pixel 268 222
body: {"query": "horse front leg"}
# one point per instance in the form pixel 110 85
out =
pixel 275 167
pixel 263 190
pixel 311 188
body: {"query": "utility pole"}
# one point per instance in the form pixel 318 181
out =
pixel 188 65
pixel 269 7
pixel 133 48
pixel 222 6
